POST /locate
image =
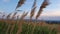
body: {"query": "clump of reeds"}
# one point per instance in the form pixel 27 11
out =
pixel 27 28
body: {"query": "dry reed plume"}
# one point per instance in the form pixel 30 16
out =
pixel 20 3
pixel 33 10
pixel 44 4
pixel 8 16
pixel 14 15
pixel 3 17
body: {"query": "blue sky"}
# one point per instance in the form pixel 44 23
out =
pixel 53 9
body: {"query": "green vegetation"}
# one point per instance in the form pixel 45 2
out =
pixel 27 29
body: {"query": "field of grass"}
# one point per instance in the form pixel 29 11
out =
pixel 27 28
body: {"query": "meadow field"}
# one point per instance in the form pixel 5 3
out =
pixel 16 27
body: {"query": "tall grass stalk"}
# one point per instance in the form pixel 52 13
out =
pixel 33 10
pixel 44 4
pixel 20 23
pixel 13 23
